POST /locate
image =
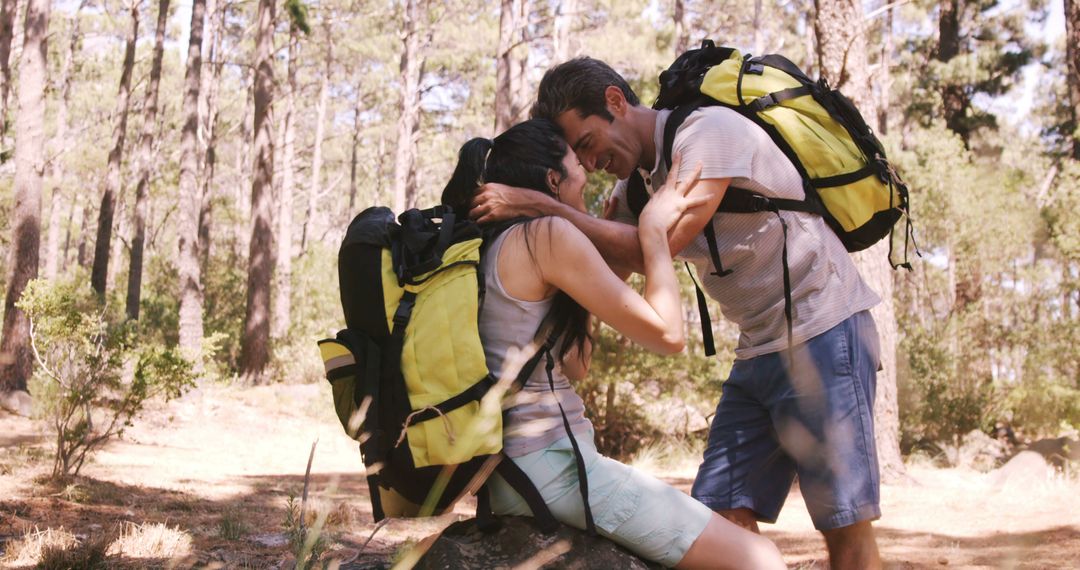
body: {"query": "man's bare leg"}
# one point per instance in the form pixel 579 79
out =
pixel 853 547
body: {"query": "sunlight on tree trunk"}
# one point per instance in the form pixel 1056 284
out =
pixel 842 53
pixel 190 283
pixel 279 323
pixel 145 165
pixel 16 357
pixel 113 181
pixel 411 68
pixel 254 349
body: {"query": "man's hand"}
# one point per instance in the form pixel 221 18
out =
pixel 498 202
pixel 611 204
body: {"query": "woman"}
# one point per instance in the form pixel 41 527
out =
pixel 545 275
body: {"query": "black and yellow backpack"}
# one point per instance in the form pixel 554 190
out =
pixel 846 176
pixel 408 373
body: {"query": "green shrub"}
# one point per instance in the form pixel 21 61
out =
pixel 83 347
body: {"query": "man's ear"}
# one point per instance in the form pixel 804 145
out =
pixel 615 100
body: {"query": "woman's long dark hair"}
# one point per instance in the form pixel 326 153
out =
pixel 521 156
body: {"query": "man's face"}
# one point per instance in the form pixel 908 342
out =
pixel 602 145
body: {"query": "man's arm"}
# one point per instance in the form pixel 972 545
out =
pixel 617 242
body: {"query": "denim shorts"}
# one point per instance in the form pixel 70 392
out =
pixel 813 418
pixel 637 511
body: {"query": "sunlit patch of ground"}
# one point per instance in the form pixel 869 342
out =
pixel 204 482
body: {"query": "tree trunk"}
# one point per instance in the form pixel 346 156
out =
pixel 146 165
pixel 564 43
pixel 320 132
pixel 8 10
pixel 841 48
pixel 58 205
pixel 1072 54
pixel 954 101
pixel 411 70
pixel 243 167
pixel 209 114
pixel 509 63
pixel 100 272
pixel 885 73
pixel 357 113
pixel 16 357
pixel 254 348
pixel 279 323
pixel 681 17
pixel 191 295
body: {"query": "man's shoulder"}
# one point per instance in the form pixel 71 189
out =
pixel 715 116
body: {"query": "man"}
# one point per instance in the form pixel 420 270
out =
pixel 805 411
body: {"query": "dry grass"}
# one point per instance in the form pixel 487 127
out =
pixel 151 541
pixel 28 550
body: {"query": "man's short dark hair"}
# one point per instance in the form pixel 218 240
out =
pixel 579 84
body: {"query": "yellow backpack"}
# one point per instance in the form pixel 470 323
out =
pixel 408 373
pixel 846 177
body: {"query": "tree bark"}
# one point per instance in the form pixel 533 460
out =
pixel 563 42
pixel 279 323
pixel 113 183
pixel 190 286
pixel 841 48
pixel 243 167
pixel 16 358
pixel 8 10
pixel 209 114
pixel 357 113
pixel 885 73
pixel 58 205
pixel 1072 54
pixel 315 186
pixel 510 62
pixel 146 165
pixel 254 348
pixel 411 71
pixel 681 17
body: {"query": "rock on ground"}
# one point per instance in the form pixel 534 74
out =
pixel 518 541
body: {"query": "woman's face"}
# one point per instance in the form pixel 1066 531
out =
pixel 571 189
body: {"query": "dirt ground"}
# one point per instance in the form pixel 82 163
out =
pixel 205 482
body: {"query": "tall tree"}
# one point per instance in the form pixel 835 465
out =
pixel 190 286
pixel 145 165
pixel 8 9
pixel 681 18
pixel 279 323
pixel 113 180
pixel 564 45
pixel 16 358
pixel 254 348
pixel 954 100
pixel 511 61
pixel 58 205
pixel 315 185
pixel 841 47
pixel 1072 54
pixel 208 113
pixel 411 71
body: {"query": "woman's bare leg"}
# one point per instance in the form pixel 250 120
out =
pixel 723 544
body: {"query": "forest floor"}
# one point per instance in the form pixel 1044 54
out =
pixel 205 482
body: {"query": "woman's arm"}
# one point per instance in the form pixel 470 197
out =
pixel 567 260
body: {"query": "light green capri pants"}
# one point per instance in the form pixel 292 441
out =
pixel 637 511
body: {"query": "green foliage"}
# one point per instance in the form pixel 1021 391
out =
pixel 83 349
pixel 298 15
pixel 307 543
pixel 941 402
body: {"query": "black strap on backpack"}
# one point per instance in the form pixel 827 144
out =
pixel 583 478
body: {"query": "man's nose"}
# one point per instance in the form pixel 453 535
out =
pixel 589 162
